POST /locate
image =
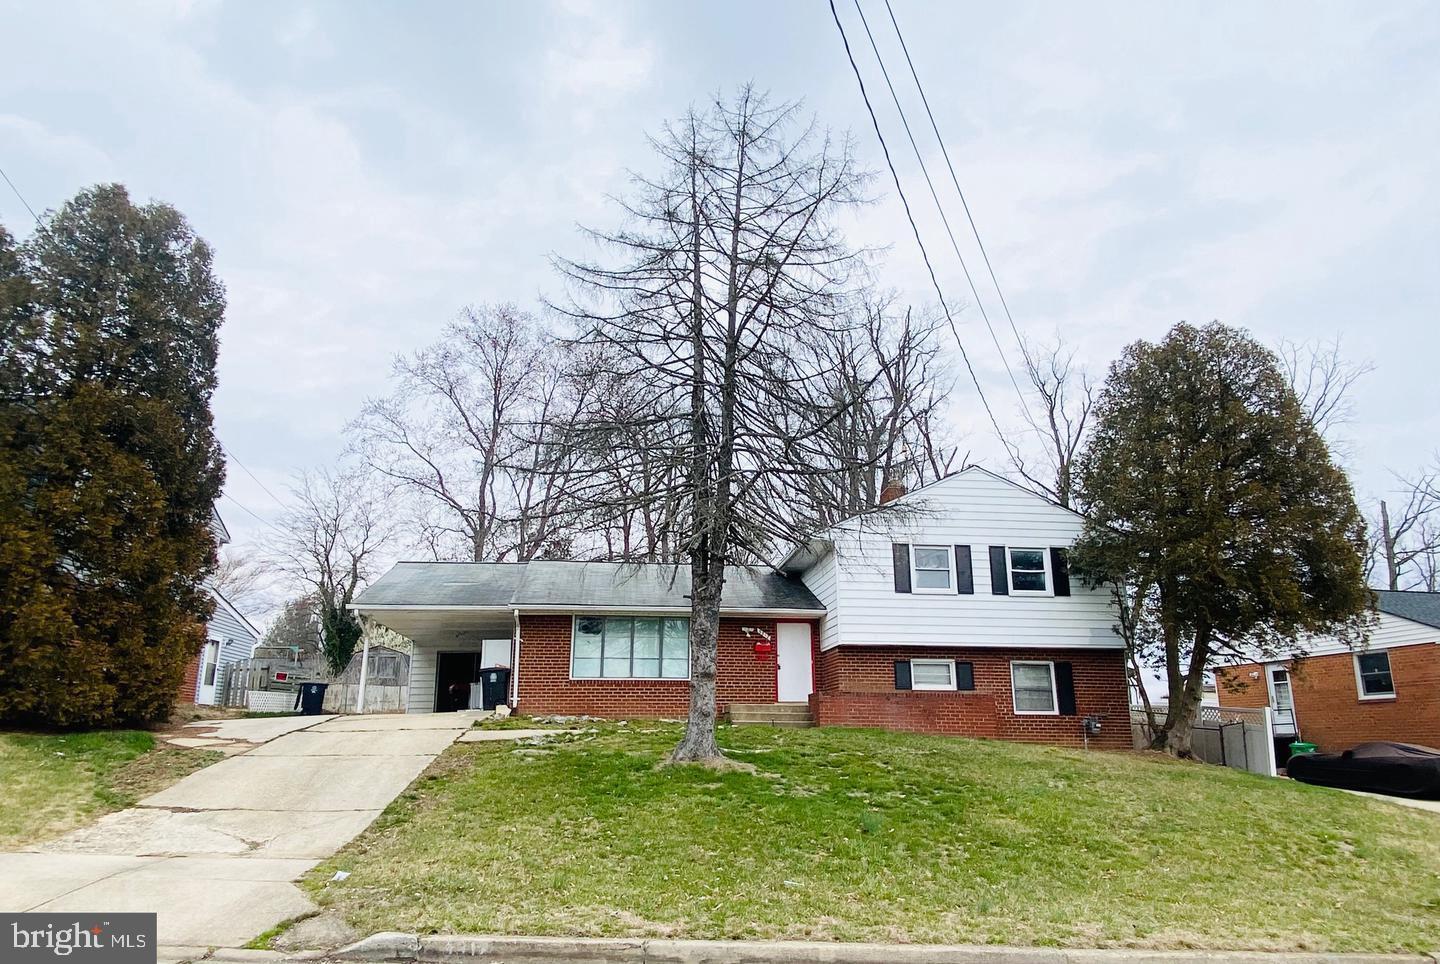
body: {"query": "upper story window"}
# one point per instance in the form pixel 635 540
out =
pixel 630 647
pixel 931 569
pixel 1029 570
pixel 1372 676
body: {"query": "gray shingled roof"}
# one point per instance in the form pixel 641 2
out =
pixel 1420 607
pixel 609 585
pixel 444 584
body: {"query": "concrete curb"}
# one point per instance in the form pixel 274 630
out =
pixel 569 950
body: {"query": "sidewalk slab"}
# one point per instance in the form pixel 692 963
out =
pixel 28 880
pixel 255 730
pixel 308 783
pixel 402 721
pixel 1433 806
pixel 358 743
pixel 193 911
pixel 246 833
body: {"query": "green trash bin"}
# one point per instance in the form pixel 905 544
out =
pixel 1300 746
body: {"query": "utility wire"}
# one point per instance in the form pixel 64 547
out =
pixel 940 208
pixel 930 268
pixel 955 180
pixel 242 508
pixel 231 456
pixel 21 197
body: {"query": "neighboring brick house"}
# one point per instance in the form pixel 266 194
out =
pixel 955 614
pixel 1336 697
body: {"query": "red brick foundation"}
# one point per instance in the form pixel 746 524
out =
pixel 857 688
pixel 1328 708
pixel 742 675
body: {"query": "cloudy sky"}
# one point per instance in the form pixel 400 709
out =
pixel 365 169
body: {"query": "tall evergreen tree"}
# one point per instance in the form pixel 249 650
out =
pixel 109 466
pixel 1214 511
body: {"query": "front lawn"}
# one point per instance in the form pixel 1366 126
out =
pixel 857 835
pixel 51 783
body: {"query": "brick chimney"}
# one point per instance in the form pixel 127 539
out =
pixel 891 491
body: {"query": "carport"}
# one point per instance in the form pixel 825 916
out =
pixel 457 615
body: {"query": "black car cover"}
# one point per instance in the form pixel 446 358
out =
pixel 1397 769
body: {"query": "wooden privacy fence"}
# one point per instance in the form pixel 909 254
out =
pixel 1241 737
pixel 269 681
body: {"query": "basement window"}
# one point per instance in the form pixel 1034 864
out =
pixel 932 674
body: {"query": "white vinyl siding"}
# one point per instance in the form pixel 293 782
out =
pixel 976 509
pixel 237 640
pixel 820 580
pixel 1389 631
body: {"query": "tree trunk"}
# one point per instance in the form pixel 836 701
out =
pixel 698 744
pixel 1180 734
pixel 1387 544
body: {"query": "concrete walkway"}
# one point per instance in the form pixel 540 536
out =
pixel 217 854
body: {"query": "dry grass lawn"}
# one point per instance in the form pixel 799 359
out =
pixel 854 835
pixel 51 783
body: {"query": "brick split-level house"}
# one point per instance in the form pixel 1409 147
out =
pixel 1336 696
pixel 953 613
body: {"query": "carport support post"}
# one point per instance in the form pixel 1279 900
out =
pixel 364 672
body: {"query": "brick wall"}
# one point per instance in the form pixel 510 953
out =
pixel 1328 708
pixel 742 676
pixel 190 681
pixel 857 688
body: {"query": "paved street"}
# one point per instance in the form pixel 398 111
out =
pixel 217 854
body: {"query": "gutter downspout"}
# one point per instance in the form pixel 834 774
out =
pixel 515 669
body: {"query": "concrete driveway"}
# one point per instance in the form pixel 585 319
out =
pixel 217 854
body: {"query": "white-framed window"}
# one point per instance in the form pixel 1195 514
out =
pixel 1372 676
pixel 931 569
pixel 932 674
pixel 630 647
pixel 1029 570
pixel 1032 683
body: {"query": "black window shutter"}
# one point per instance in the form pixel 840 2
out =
pixel 964 571
pixel 902 674
pixel 999 571
pixel 1060 569
pixel 964 676
pixel 1065 688
pixel 900 552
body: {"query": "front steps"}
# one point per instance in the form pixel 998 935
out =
pixel 771 714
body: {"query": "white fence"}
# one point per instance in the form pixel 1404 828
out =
pixel 1240 736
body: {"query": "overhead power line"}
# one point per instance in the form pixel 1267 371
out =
pixel 21 197
pixel 231 456
pixel 939 207
pixel 242 507
pixel 914 228
pixel 953 178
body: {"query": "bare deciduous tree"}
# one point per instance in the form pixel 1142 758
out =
pixel 1323 379
pixel 1408 536
pixel 888 384
pixel 329 544
pixel 727 276
pixel 243 577
pixel 461 438
pixel 1064 397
